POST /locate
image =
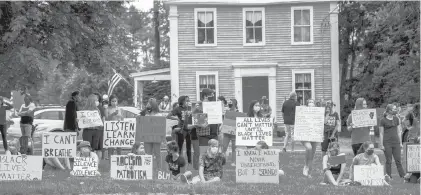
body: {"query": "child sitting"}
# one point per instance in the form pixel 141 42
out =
pixel 332 173
pixel 138 149
pixel 84 150
pixel 176 163
pixel 14 148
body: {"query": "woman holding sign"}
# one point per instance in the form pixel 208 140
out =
pixel 359 135
pixel 310 149
pixel 153 148
pixel 113 113
pixel 93 134
pixel 255 112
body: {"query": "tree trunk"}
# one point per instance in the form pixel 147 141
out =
pixel 157 52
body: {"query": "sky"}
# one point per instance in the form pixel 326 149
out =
pixel 143 4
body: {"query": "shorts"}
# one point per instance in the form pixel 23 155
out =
pixel 93 137
pixel 327 141
pixel 290 130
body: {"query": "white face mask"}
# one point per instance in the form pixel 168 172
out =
pixel 105 106
pixel 310 105
pixel 214 150
pixel 97 103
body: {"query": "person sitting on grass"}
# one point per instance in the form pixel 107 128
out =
pixel 84 150
pixel 211 162
pixel 137 149
pixel 14 147
pixel 332 173
pixel 262 145
pixel 176 163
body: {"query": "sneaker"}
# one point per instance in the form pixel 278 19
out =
pixel 305 171
pixel 323 183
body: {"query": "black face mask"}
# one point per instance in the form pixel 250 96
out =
pixel 230 105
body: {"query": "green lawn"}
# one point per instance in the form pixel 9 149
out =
pixel 56 182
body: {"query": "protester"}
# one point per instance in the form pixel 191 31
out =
pixel 176 163
pixel 359 135
pixel 310 150
pixel 233 105
pixel 84 150
pixel 93 134
pixel 332 124
pixel 212 130
pixel 288 114
pixel 332 173
pixel 113 113
pixel 255 111
pixel 165 106
pixel 227 138
pixel 101 150
pixel 224 102
pixel 266 109
pixel 15 148
pixel 70 118
pixel 105 104
pixel 26 113
pixel 137 149
pixel 390 140
pixel 3 123
pixel 152 145
pixel 211 165
pixel 413 137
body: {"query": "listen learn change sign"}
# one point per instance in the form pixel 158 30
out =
pixel 119 134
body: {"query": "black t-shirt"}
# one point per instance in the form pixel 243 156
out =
pixel 182 115
pixel 174 166
pixel 330 121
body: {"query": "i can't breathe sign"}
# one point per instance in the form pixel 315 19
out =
pixel 59 144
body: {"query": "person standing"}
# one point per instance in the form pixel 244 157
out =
pixel 3 123
pixel 233 105
pixel 288 111
pixel 26 113
pixel 100 148
pixel 310 149
pixel 92 134
pixel 332 124
pixel 212 130
pixel 165 106
pixel 151 143
pixel 266 109
pixel 359 135
pixel 390 140
pixel 113 113
pixel 70 116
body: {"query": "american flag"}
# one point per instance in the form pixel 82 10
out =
pixel 113 82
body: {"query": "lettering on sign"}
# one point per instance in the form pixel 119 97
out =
pixel 59 144
pixel 364 118
pixel 257 166
pixel 164 175
pixel 87 119
pixel 19 167
pixel 131 167
pixel 413 158
pixel 119 134
pixel 309 124
pixel 249 131
pixel 369 175
pixel 85 167
pixel 214 111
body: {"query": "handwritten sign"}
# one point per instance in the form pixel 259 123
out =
pixel 119 134
pixel 85 167
pixel 133 167
pixel 59 144
pixel 309 124
pixel 88 119
pixel 14 168
pixel 229 123
pixel 257 166
pixel 164 175
pixel 413 158
pixel 214 111
pixel 369 175
pixel 364 118
pixel 151 129
pixel 200 119
pixel 252 130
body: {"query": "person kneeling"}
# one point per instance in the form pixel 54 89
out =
pixel 176 163
pixel 211 163
pixel 332 173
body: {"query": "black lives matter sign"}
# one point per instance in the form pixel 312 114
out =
pixel 249 131
pixel 59 144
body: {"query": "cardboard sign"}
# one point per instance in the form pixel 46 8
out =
pixel 85 167
pixel 369 175
pixel 229 123
pixel 412 154
pixel 257 166
pixel 164 175
pixel 119 134
pixel 87 119
pixel 151 129
pixel 169 125
pixel 214 111
pixel 364 118
pixel 336 160
pixel 59 144
pixel 252 130
pixel 200 119
pixel 133 167
pixel 19 167
pixel 309 124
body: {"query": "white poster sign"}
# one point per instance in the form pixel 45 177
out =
pixel 85 167
pixel 17 167
pixel 88 119
pixel 119 134
pixel 249 131
pixel 257 166
pixel 214 111
pixel 59 144
pixel 309 124
pixel 364 118
pixel 133 167
pixel 369 175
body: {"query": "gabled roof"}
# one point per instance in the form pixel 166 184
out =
pixel 150 72
pixel 241 2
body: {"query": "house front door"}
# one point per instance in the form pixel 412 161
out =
pixel 253 89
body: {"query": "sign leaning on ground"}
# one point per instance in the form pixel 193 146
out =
pixel 412 153
pixel 364 118
pixel 131 167
pixel 85 167
pixel 119 134
pixel 87 118
pixel 309 124
pixel 257 166
pixel 19 167
pixel 369 175
pixel 59 144
pixel 249 131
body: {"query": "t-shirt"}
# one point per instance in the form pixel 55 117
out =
pixel 288 108
pixel 182 115
pixel 390 135
pixel 330 121
pixel 358 135
pixel 212 167
pixel 362 159
pixel 29 117
pixel 175 166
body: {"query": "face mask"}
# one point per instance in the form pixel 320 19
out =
pixel 97 103
pixel 214 150
pixel 257 109
pixel 334 152
pixel 105 106
pixel 370 152
pixel 310 105
pixel 394 112
pixel 230 105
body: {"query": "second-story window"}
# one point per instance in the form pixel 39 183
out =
pixel 302 25
pixel 205 26
pixel 254 26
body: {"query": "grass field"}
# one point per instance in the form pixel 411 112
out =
pixel 60 182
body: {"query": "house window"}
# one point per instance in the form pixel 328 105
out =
pixel 207 80
pixel 254 26
pixel 302 25
pixel 303 85
pixel 205 22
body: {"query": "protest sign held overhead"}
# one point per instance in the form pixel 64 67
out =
pixel 257 166
pixel 88 119
pixel 151 129
pixel 59 144
pixel 364 118
pixel 19 167
pixel 252 130
pixel 131 167
pixel 214 111
pixel 119 134
pixel 412 153
pixel 200 119
pixel 229 123
pixel 309 124
pixel 85 167
pixel 369 175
